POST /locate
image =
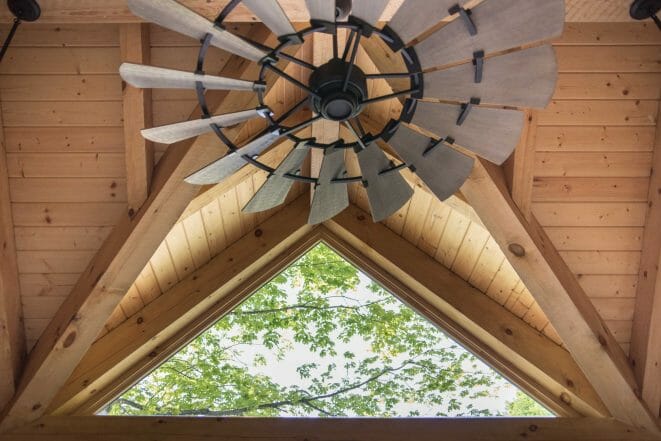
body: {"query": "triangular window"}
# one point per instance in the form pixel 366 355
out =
pixel 322 339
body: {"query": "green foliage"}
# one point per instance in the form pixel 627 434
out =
pixel 524 406
pixel 355 350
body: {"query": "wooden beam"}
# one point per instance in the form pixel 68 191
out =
pixel 12 338
pixel 504 341
pixel 524 165
pixel 134 45
pixel 559 294
pixel 646 334
pixel 117 264
pixel 137 346
pixel 116 11
pixel 107 428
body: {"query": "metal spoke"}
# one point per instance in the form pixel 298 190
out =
pixel 391 75
pixel 389 96
pixel 348 44
pixel 358 138
pixel 354 52
pixel 293 110
pixel 291 79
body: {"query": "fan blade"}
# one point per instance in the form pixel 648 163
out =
pixel 369 11
pixel 329 198
pixel 226 166
pixel 424 13
pixel 176 17
pixel 524 78
pixel 501 25
pixel 491 133
pixel 150 77
pixel 443 169
pixel 386 193
pixel 322 10
pixel 172 133
pixel 275 189
pixel 270 12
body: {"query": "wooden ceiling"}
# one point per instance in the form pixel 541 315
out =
pixel 583 169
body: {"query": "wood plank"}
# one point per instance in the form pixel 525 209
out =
pixel 524 163
pixel 65 165
pixel 602 262
pixel 593 164
pixel 112 271
pixel 65 139
pixel 67 190
pixel 53 261
pixel 344 429
pixel 608 86
pixel 63 113
pixel 67 214
pixel 203 296
pixel 590 189
pixel 591 214
pixel 12 338
pixel 61 61
pixel 477 322
pixel 137 106
pixel 608 59
pixel 559 295
pixel 580 139
pixel 646 334
pixel 116 11
pixel 629 34
pixel 60 238
pixel 64 35
pixel 61 88
pixel 600 113
pixel 590 238
pixel 609 285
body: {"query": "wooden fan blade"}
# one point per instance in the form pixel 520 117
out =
pixel 491 133
pixel 322 10
pixel 271 14
pixel 138 75
pixel 275 189
pixel 442 169
pixel 386 193
pixel 524 78
pixel 369 11
pixel 226 166
pixel 416 16
pixel 172 133
pixel 501 25
pixel 174 16
pixel 329 198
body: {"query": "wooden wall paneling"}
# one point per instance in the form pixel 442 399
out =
pixel 215 287
pixel 646 333
pixel 559 294
pixel 137 111
pixel 12 334
pixel 596 138
pixel 458 308
pixel 111 273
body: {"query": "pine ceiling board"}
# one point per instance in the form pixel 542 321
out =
pixel 443 169
pixel 525 78
pixel 323 10
pixel 270 12
pixel 276 188
pixel 369 11
pixel 139 75
pixel 490 133
pixel 595 139
pixel 329 198
pixel 386 193
pixel 501 24
pixel 591 214
pixel 417 16
pixel 173 15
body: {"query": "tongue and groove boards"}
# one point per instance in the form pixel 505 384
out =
pixel 501 25
pixel 329 198
pixel 141 76
pixel 174 16
pixel 277 186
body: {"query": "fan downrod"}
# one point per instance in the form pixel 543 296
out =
pixel 336 98
pixel 644 9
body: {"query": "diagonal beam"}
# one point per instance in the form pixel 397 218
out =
pixel 117 264
pixel 646 334
pixel 510 345
pixel 106 428
pixel 137 346
pixel 12 338
pixel 134 45
pixel 559 294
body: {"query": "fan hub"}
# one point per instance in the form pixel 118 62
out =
pixel 334 101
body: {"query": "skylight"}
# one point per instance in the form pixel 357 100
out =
pixel 323 340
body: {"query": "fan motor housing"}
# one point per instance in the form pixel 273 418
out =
pixel 333 101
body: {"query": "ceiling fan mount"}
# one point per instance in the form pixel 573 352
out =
pixel 340 89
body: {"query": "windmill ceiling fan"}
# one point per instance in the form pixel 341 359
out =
pixel 466 80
